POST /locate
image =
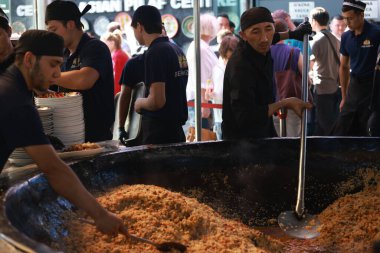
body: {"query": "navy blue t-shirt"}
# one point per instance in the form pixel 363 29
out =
pixel 362 50
pixel 133 71
pixel 98 102
pixel 20 122
pixel 165 62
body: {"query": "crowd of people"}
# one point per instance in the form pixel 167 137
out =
pixel 237 76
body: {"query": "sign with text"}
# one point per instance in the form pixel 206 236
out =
pixel 372 9
pixel 300 10
pixel 4 4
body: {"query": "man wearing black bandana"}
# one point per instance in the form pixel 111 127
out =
pixel 38 56
pixel 87 68
pixel 248 98
pixel 6 47
pixel 357 63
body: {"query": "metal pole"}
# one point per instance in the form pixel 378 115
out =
pixel 198 116
pixel 300 206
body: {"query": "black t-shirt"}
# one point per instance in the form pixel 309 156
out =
pixel 20 123
pixel 133 71
pixel 98 102
pixel 165 62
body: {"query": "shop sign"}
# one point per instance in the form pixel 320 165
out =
pixel 4 4
pixel 227 3
pixel 372 9
pixel 300 10
pixel 129 5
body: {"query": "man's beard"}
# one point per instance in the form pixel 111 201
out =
pixel 38 78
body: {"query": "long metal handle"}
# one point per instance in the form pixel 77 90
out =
pixel 129 235
pixel 300 206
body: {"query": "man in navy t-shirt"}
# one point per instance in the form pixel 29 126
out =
pixel 357 63
pixel 164 110
pixel 87 68
pixel 37 66
pixel 133 73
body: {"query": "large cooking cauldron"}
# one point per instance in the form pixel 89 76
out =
pixel 252 180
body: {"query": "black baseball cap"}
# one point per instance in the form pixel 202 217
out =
pixel 64 10
pixel 40 42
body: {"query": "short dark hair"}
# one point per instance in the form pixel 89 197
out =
pixel 337 17
pixel 148 16
pixel 320 15
pixel 223 15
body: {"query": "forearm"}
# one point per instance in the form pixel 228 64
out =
pixel 344 77
pixel 124 103
pixel 63 180
pixel 82 79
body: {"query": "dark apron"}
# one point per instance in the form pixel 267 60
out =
pixel 156 131
pixel 353 118
pixel 374 119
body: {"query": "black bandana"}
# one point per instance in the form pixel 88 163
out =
pixel 64 10
pixel 4 21
pixel 255 16
pixel 40 42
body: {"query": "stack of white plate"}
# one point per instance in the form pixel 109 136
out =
pixel 19 157
pixel 46 115
pixel 68 117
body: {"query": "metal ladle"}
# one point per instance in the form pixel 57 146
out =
pixel 297 223
pixel 163 247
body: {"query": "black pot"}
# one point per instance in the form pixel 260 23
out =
pixel 252 180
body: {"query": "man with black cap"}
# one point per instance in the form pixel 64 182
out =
pixel 38 56
pixel 248 97
pixel 6 47
pixel 164 110
pixel 87 68
pixel 358 51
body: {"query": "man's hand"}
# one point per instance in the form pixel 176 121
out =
pixel 341 104
pixel 138 105
pixel 123 136
pixel 297 105
pixel 110 224
pixel 300 31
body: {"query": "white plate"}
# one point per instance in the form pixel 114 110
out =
pixel 81 153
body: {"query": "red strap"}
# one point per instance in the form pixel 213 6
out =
pixel 206 105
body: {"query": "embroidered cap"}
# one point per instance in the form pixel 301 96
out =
pixel 355 4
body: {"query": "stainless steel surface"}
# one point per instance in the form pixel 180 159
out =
pixel 198 101
pixel 282 118
pixel 297 223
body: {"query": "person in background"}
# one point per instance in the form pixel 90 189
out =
pixel 358 50
pixel 164 110
pixel 115 26
pixel 119 57
pixel 227 47
pixel 133 73
pixel 337 26
pixel 223 22
pixel 87 68
pixel 373 125
pixel 280 53
pixel 39 55
pixel 248 97
pixel 208 31
pixel 6 47
pixel 324 67
pixel 281 14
